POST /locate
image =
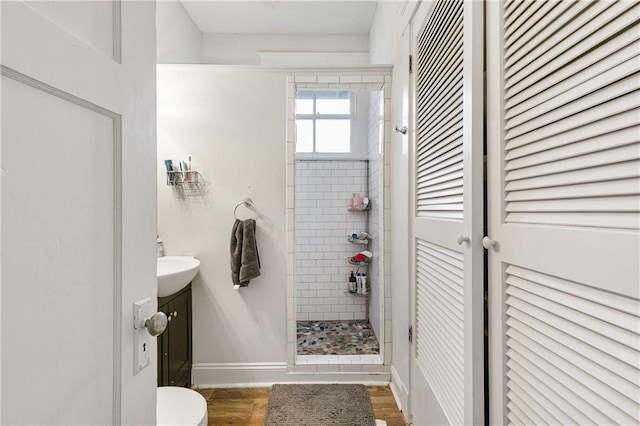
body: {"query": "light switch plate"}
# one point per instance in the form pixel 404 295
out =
pixel 141 337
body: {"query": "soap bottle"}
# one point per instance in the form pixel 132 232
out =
pixel 352 203
pixel 365 288
pixel 358 283
pixel 352 283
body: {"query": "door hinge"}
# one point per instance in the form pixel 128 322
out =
pixel 410 333
pixel 410 64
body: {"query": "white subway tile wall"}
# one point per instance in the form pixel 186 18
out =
pixel 376 165
pixel 322 224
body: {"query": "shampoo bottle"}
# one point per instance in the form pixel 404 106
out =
pixel 352 283
pixel 365 287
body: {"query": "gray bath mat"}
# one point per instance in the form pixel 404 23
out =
pixel 319 405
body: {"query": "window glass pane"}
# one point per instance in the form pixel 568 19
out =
pixel 333 102
pixel 304 136
pixel 304 102
pixel 333 135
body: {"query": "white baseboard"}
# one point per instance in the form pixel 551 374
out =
pixel 245 375
pixel 399 391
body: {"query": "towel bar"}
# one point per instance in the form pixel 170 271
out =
pixel 248 203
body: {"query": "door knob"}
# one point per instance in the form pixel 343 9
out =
pixel 462 239
pixel 488 243
pixel 156 324
pixel 402 129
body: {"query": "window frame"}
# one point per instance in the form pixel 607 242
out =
pixel 314 117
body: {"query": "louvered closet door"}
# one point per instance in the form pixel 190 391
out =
pixel 564 211
pixel 446 368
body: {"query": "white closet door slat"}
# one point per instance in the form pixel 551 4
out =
pixel 521 158
pixel 611 84
pixel 447 159
pixel 446 284
pixel 618 384
pixel 515 9
pixel 607 172
pixel 566 142
pixel 596 189
pixel 624 408
pixel 611 130
pixel 614 204
pixel 523 410
pixel 448 269
pixel 542 415
pixel 579 396
pixel 538 43
pixel 603 57
pixel 439 114
pixel 447 143
pixel 441 66
pixel 613 220
pixel 578 343
pixel 585 340
pixel 441 130
pixel 452 180
pixel 523 312
pixel 445 95
pixel 440 322
pixel 513 24
pixel 439 19
pixel 588 30
pixel 548 401
pixel 440 172
pixel 624 304
pixel 565 165
pixel 519 30
pixel 447 396
pixel 547 384
pixel 564 12
pixel 452 185
pixel 559 124
pixel 450 123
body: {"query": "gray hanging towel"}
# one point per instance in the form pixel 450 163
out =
pixel 245 261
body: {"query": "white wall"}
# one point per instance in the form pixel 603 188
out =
pixel 243 48
pixel 179 39
pixel 389 45
pixel 381 46
pixel 232 123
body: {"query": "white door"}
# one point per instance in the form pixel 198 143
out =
pixel 400 220
pixel 564 212
pixel 78 210
pixel 447 354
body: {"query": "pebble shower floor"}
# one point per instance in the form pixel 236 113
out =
pixel 336 338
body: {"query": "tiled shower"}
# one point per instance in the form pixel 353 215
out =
pixel 330 319
pixel 323 190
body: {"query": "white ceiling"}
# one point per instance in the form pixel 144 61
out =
pixel 351 17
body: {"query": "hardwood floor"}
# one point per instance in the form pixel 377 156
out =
pixel 247 406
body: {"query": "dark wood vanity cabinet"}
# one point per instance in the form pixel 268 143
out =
pixel 174 345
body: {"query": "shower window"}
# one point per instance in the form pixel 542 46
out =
pixel 324 121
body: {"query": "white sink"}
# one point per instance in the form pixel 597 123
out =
pixel 175 272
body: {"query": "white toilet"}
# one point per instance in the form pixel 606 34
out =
pixel 180 406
